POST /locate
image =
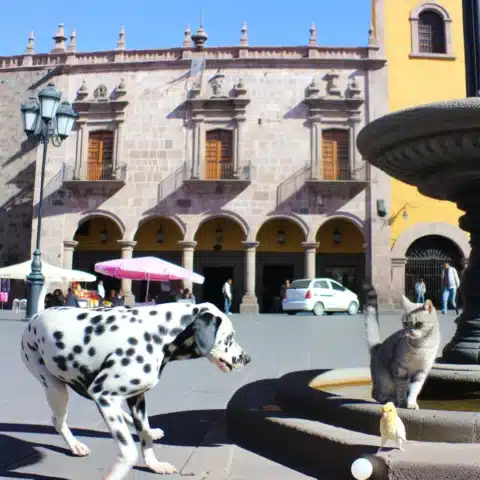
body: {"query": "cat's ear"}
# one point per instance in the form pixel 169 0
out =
pixel 408 306
pixel 428 306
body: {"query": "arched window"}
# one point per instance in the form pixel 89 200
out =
pixel 100 155
pixel 219 155
pixel 335 154
pixel 431 33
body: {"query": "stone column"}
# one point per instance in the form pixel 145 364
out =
pixel 249 301
pixel 83 159
pixel 310 258
pixel 118 158
pixel 68 248
pixel 197 151
pixel 316 170
pixel 398 280
pixel 126 285
pixel 77 172
pixel 187 259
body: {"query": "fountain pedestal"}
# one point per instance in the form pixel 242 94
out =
pixel 436 148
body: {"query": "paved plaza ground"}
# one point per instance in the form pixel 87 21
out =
pixel 188 403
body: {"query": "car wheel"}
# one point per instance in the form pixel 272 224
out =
pixel 291 313
pixel 352 308
pixel 318 309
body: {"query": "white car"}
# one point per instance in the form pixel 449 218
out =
pixel 319 295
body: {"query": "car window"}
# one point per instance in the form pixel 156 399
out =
pixel 300 284
pixel 321 284
pixel 336 286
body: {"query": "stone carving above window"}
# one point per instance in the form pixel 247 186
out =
pixel 217 85
pixel 101 93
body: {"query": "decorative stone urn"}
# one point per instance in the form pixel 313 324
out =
pixel 436 147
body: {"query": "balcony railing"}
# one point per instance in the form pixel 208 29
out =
pixel 96 173
pixel 225 171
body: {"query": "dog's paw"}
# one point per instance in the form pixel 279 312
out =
pixel 79 449
pixel 163 468
pixel 413 406
pixel 156 433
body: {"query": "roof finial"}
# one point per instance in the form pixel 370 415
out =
pixel 187 41
pixel 200 37
pixel 372 36
pixel 31 44
pixel 59 39
pixel 313 35
pixel 244 37
pixel 72 47
pixel 121 39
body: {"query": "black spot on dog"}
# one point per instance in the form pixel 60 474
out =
pixel 135 312
pixel 157 339
pixel 96 319
pixel 176 331
pixel 121 438
pixel 125 361
pixel 86 339
pixel 119 352
pixel 101 378
pixel 61 362
pixel 168 316
pixel 143 443
pixel 91 352
pixel 35 331
pixel 139 359
pixel 195 311
pixel 60 345
pixel 113 328
pixel 57 335
pixel 75 364
pixel 100 330
pixel 123 389
pixel 103 402
pixel 132 341
pixel 70 357
pixel 133 320
pixel 111 419
pixel 162 330
pixel 110 319
pixel 109 363
pixel 116 375
pixel 135 381
pixel 186 320
pixel 153 312
pixel 77 349
pixel 149 348
pixel 43 339
pixel 130 352
pixel 147 368
pixel 41 362
pixel 114 394
pixel 147 337
pixel 97 388
pixel 88 330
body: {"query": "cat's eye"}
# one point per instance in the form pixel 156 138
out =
pixel 418 325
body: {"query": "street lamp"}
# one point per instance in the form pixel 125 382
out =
pixel 43 120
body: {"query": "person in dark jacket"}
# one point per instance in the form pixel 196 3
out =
pixel 71 300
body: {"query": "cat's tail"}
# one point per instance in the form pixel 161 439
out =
pixel 372 325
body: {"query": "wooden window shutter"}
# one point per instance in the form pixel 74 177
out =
pixel 335 155
pixel 219 155
pixel 100 155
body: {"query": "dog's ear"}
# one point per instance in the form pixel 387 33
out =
pixel 205 328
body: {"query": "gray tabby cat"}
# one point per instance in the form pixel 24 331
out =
pixel 400 364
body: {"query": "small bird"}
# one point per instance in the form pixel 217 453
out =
pixel 391 427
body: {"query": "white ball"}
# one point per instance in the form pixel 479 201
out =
pixel 361 469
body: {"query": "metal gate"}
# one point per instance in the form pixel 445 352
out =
pixel 428 264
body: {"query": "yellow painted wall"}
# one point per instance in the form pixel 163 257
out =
pixel 146 236
pixel 267 236
pixel 413 81
pixel 92 241
pixel 232 235
pixel 352 238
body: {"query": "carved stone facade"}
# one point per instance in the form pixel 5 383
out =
pixel 160 115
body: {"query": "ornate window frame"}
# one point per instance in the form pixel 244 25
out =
pixel 447 25
pixel 216 111
pixel 99 113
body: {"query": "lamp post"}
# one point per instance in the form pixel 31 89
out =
pixel 44 119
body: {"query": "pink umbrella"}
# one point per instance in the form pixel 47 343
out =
pixel 146 268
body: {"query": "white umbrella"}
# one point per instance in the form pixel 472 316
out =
pixel 20 271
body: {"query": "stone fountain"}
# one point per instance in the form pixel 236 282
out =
pixel 317 417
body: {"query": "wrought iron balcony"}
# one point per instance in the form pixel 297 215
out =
pixel 95 175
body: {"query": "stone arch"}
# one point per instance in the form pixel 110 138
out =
pixel 408 236
pixel 297 220
pixel 435 7
pixel 357 234
pixel 174 218
pixel 357 221
pixel 235 217
pixel 89 214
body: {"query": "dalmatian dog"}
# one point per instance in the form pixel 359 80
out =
pixel 115 355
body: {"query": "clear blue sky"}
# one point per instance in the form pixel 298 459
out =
pixel 160 24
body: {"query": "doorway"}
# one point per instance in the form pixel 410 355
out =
pixel 215 277
pixel 273 278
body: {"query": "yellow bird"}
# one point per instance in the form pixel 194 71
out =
pixel 391 427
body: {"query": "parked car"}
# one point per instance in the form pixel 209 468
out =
pixel 319 295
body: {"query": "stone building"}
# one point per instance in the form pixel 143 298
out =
pixel 235 161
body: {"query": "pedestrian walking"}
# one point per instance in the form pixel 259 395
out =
pixel 450 284
pixel 420 290
pixel 227 295
pixel 71 300
pixel 100 292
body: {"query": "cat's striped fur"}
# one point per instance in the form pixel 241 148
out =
pixel 400 364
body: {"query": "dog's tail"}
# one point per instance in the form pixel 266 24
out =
pixel 372 324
